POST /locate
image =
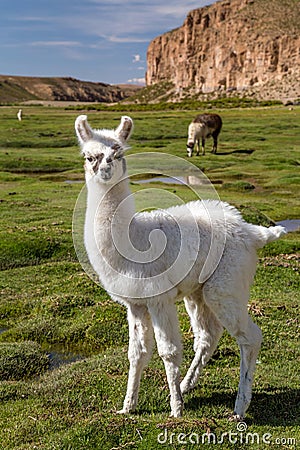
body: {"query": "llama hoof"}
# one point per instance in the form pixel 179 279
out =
pixel 123 411
pixel 185 387
pixel 236 418
pixel 176 414
pixel 177 411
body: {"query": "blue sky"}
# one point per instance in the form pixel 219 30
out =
pixel 93 40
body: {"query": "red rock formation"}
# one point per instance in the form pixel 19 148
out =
pixel 232 46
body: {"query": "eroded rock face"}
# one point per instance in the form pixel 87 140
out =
pixel 234 45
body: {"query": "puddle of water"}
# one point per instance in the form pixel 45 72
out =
pixel 61 358
pixel 58 356
pixel 189 180
pixel 74 181
pixel 167 180
pixel 290 224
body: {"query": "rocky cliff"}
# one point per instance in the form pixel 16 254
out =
pixel 233 47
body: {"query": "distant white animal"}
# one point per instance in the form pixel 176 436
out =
pixel 203 251
pixel 19 115
pixel 202 127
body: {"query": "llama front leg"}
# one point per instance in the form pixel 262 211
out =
pixel 166 329
pixel 139 352
pixel 197 147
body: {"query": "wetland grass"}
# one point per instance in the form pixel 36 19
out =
pixel 48 302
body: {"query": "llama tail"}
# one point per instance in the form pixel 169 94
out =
pixel 267 235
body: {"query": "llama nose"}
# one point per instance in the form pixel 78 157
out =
pixel 105 172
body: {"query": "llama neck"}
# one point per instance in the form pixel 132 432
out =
pixel 107 205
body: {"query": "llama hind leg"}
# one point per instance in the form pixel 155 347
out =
pixel 215 143
pixel 203 146
pixel 207 332
pixel 249 344
pixel 139 352
pixel 233 315
pixel 167 335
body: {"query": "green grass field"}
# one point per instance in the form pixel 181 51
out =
pixel 63 343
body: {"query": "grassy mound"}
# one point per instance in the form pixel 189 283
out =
pixel 21 360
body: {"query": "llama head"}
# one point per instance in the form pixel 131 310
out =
pixel 191 140
pixel 104 149
pixel 190 148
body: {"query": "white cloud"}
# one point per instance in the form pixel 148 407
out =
pixel 136 58
pixel 178 9
pixel 55 44
pixel 131 21
pixel 125 39
pixel 117 21
pixel 140 81
pixel 33 18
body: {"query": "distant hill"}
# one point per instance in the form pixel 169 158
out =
pixel 15 89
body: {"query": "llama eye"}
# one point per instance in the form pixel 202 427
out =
pixel 117 151
pixel 90 159
pixel 118 155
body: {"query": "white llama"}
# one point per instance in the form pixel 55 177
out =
pixel 19 115
pixel 125 249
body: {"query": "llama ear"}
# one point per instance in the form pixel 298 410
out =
pixel 83 130
pixel 125 128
